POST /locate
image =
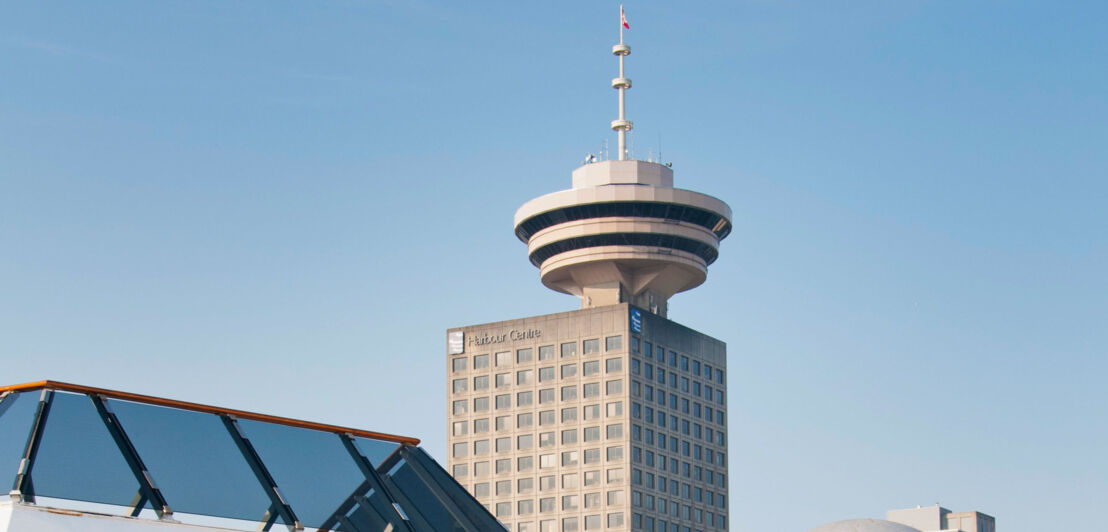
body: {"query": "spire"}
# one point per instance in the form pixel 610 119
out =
pixel 622 125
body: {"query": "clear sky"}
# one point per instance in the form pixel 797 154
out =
pixel 281 206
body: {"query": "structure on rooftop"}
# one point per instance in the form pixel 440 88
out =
pixel 82 458
pixel 623 234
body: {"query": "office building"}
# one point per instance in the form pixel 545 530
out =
pixel 610 417
pixel 919 519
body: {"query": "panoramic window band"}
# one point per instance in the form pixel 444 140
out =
pixel 705 251
pixel 631 209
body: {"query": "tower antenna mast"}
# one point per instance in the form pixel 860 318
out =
pixel 622 125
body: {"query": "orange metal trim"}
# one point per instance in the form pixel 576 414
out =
pixel 196 407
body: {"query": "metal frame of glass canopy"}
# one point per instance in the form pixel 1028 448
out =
pixel 77 443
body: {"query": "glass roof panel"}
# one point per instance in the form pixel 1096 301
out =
pixel 312 468
pixel 17 413
pixel 78 459
pixel 193 460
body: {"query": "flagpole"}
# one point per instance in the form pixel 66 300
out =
pixel 621 23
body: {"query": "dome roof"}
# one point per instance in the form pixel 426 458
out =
pixel 864 525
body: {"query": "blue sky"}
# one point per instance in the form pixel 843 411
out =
pixel 281 206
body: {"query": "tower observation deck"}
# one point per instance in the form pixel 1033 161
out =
pixel 623 233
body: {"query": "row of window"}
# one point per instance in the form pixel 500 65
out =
pixel 569 524
pixel 589 390
pixel 546 374
pixel 682 362
pixel 683 490
pixel 677 467
pixel 688 407
pixel 677 425
pixel 684 447
pixel 526 420
pixel 692 387
pixel 546 352
pixel 611 477
pixel 647 523
pixel 527 463
pixel 527 441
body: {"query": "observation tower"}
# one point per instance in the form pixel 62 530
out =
pixel 623 233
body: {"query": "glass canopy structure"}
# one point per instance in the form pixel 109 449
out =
pixel 69 446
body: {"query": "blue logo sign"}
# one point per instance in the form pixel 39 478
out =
pixel 636 320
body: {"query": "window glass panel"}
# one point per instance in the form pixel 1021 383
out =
pixel 458 364
pixel 592 346
pixel 546 352
pixel 612 343
pixel 590 368
pixel 524 355
pixel 503 358
pixel 569 349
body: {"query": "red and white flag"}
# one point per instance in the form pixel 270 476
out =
pixel 623 18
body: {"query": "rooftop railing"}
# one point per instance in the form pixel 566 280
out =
pixel 76 444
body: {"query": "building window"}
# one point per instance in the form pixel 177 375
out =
pixel 525 485
pixel 612 343
pixel 480 425
pixel 569 414
pixel 481 489
pixel 526 507
pixel 592 433
pixel 525 463
pixel 546 352
pixel 459 385
pixel 546 374
pixel 480 361
pixel 615 520
pixel 526 376
pixel 613 365
pixel 615 454
pixel 503 358
pixel 503 445
pixel 461 470
pixel 569 393
pixel 591 389
pixel 546 417
pixel 592 500
pixel 569 502
pixel 613 387
pixel 569 524
pixel 592 346
pixel 524 355
pixel 569 349
pixel 525 398
pixel 461 450
pixel 592 478
pixel 615 408
pixel 591 412
pixel 504 401
pixel 569 436
pixel 590 368
pixel 481 447
pixel 481 383
pixel 614 476
pixel 525 442
pixel 461 407
pixel 460 428
pixel 614 431
pixel 481 404
pixel 592 456
pixel 525 420
pixel 546 504
pixel 458 364
pixel 503 509
pixel 569 458
pixel 545 461
pixel 569 370
pixel 503 379
pixel 546 439
pixel 569 481
pixel 481 469
pixel 504 487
